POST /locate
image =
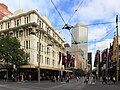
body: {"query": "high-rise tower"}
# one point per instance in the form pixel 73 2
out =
pixel 80 34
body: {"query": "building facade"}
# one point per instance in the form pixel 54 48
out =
pixel 34 31
pixel 116 55
pixel 4 11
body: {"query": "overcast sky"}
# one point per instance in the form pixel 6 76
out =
pixel 89 12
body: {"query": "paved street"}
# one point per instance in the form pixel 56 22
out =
pixel 48 85
pixel 100 86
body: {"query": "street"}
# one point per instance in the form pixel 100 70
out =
pixel 48 85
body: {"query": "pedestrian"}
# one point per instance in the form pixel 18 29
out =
pixel 114 80
pixel 29 77
pixel 67 81
pixel 5 77
pixel 77 78
pixel 86 80
pixel 93 79
pixel 13 78
pixel 54 78
pixel 58 78
pixel 108 79
pixel 104 79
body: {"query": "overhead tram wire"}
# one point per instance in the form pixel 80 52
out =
pixel 72 37
pixel 66 25
pixel 92 24
pixel 100 23
pixel 75 11
pixel 58 12
pixel 106 35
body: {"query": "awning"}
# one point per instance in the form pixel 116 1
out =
pixel 47 67
pixel 67 70
pixel 43 67
pixel 26 66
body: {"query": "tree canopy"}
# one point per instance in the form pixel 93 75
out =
pixel 79 72
pixel 10 51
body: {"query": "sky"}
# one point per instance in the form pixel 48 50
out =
pixel 89 12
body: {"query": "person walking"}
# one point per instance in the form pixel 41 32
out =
pixel 5 77
pixel 67 81
pixel 114 80
pixel 13 78
pixel 77 78
pixel 104 79
pixel 29 77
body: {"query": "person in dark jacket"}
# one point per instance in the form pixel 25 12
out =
pixel 104 79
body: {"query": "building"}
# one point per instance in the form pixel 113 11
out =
pixel 116 55
pixel 4 11
pixel 34 31
pixel 80 34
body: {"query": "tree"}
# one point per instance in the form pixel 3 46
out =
pixel 79 72
pixel 10 51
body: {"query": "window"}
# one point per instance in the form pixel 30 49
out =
pixel 1 26
pixel 17 34
pixel 26 44
pixel 37 45
pixel 48 50
pixel 8 25
pixel 42 25
pixel 17 22
pixel 40 58
pixel 37 57
pixel 29 44
pixel 49 31
pixel 53 62
pixel 42 48
pixel 53 53
pixel 48 61
pixel 53 35
pixel 27 19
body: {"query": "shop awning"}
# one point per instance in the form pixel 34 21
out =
pixel 26 66
pixel 51 68
pixel 43 67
